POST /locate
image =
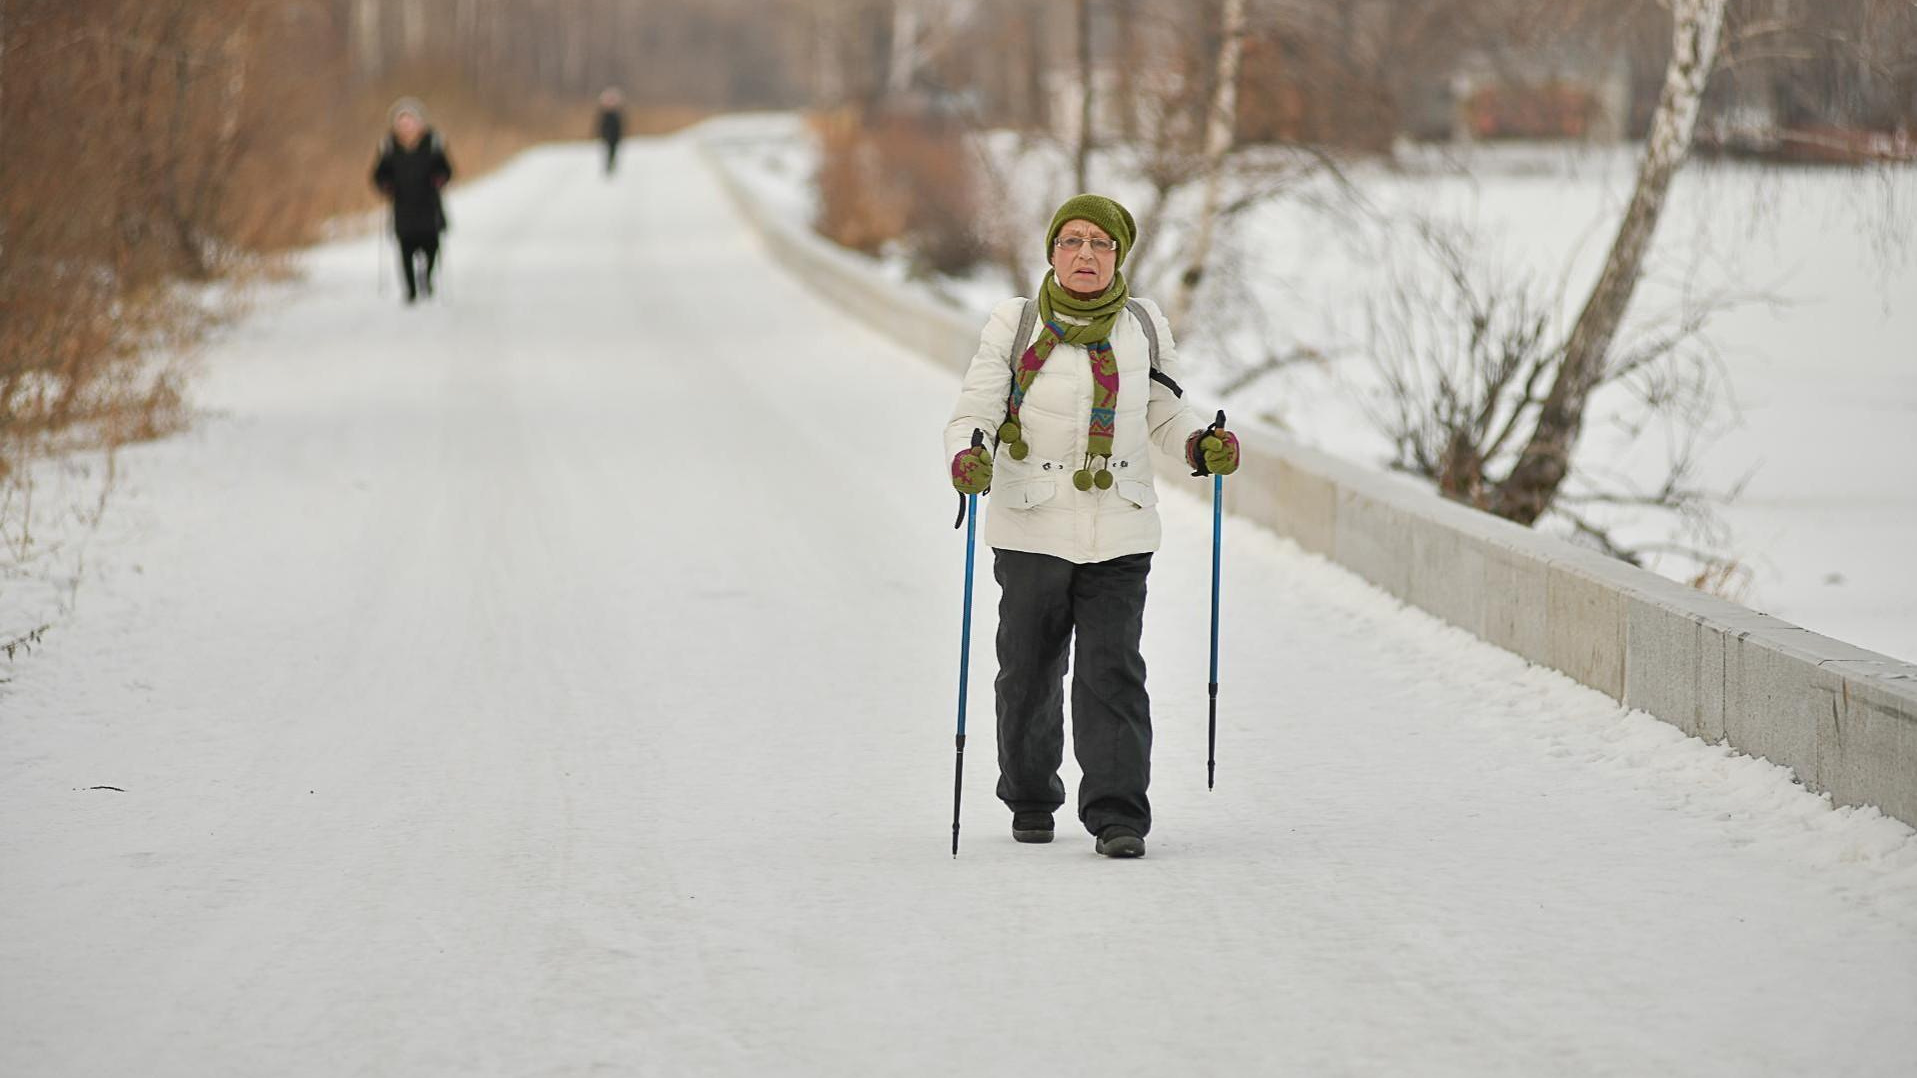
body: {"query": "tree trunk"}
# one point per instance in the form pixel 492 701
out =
pixel 1038 116
pixel 577 30
pixel 903 64
pixel 1533 484
pixel 413 29
pixel 466 36
pixel 1125 90
pixel 367 61
pixel 829 59
pixel 1081 172
pixel 1220 120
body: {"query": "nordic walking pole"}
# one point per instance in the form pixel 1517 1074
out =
pixel 1217 542
pixel 968 511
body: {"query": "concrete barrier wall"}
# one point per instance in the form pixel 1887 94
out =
pixel 1843 719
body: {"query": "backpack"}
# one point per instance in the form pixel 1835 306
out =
pixel 1028 320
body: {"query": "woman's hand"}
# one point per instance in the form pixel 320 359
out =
pixel 1212 451
pixel 972 470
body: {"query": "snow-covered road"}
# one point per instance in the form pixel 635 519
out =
pixel 558 680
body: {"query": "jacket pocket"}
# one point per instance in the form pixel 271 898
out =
pixel 1028 493
pixel 1138 492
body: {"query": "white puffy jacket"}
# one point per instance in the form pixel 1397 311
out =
pixel 1034 506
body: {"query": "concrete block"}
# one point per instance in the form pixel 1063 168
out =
pixel 1674 667
pixel 1774 701
pixel 1708 690
pixel 1254 493
pixel 1516 600
pixel 1585 629
pixel 1372 537
pixel 1447 573
pixel 1867 750
pixel 1308 504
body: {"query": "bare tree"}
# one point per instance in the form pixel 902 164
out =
pixel 1219 123
pixel 1528 490
pixel 1465 360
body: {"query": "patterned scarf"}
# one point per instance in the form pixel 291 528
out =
pixel 1099 313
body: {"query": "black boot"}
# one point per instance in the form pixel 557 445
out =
pixel 1032 826
pixel 1120 841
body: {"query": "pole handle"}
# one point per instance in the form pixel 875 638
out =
pixel 978 439
pixel 1217 427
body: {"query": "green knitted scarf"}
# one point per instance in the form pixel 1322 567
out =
pixel 1099 313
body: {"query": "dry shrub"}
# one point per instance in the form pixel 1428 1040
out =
pixel 899 179
pixel 146 143
pixel 858 206
pixel 123 128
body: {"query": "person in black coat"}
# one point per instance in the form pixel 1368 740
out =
pixel 612 125
pixel 411 169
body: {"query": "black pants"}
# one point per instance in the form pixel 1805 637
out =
pixel 612 155
pixel 1044 602
pixel 410 249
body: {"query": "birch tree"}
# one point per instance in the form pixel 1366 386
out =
pixel 368 62
pixel 903 66
pixel 1528 491
pixel 1220 119
pixel 1082 162
pixel 413 28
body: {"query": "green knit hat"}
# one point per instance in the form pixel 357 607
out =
pixel 1116 220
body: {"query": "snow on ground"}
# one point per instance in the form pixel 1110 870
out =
pixel 559 678
pixel 50 514
pixel 1818 352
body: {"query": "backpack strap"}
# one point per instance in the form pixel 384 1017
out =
pixel 1151 338
pixel 1027 320
pixel 1021 340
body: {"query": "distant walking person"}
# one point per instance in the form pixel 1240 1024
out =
pixel 411 169
pixel 612 124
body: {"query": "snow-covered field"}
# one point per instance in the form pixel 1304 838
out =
pixel 558 679
pixel 1816 349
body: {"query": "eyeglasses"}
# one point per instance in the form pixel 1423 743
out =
pixel 1074 243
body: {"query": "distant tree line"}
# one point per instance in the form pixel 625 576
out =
pixel 147 141
pixel 1362 72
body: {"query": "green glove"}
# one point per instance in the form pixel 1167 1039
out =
pixel 972 470
pixel 1212 452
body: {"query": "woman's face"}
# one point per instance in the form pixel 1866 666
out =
pixel 1080 266
pixel 407 128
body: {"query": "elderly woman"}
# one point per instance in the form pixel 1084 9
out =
pixel 1076 386
pixel 411 169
